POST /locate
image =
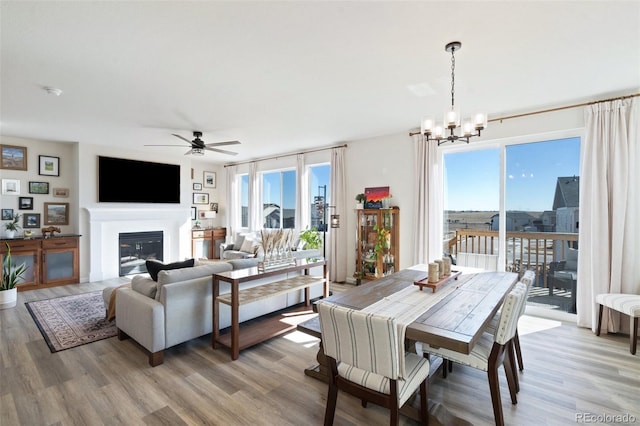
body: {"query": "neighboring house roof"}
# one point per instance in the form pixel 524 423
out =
pixel 567 192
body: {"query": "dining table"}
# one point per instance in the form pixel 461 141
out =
pixel 454 317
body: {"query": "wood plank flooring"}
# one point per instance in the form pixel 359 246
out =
pixel 568 371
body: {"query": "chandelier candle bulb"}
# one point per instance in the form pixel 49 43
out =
pixel 434 274
pixel 452 120
pixel 438 132
pixel 467 128
pixel 481 121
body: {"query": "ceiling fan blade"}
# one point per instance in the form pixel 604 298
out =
pixel 188 152
pixel 222 143
pixel 181 146
pixel 180 137
pixel 222 151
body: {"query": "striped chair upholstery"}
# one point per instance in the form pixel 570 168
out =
pixel 488 262
pixel 491 351
pixel 363 353
pixel 628 304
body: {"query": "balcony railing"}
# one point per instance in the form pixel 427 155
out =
pixel 537 251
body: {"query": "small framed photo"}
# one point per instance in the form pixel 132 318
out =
pixel 209 179
pixel 200 198
pixel 197 187
pixel 38 187
pixel 194 213
pixel 213 207
pixel 31 220
pixel 49 166
pixel 60 192
pixel 13 157
pixel 56 213
pixel 10 187
pixel 7 214
pixel 25 203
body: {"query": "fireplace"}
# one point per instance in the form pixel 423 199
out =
pixel 135 248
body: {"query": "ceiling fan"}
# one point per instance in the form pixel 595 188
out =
pixel 198 146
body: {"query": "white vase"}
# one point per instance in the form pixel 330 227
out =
pixel 359 206
pixel 11 233
pixel 8 298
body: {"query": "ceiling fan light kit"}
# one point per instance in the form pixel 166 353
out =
pixel 470 127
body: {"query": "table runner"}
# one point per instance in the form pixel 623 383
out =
pixel 406 306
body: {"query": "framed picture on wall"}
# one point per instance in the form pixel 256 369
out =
pixel 31 220
pixel 7 214
pixel 209 179
pixel 49 166
pixel 194 213
pixel 56 213
pixel 25 203
pixel 13 157
pixel 10 187
pixel 38 187
pixel 200 198
pixel 61 192
pixel 197 187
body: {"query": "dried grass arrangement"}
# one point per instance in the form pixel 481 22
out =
pixel 276 244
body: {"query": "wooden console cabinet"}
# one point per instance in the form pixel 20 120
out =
pixel 205 243
pixel 50 262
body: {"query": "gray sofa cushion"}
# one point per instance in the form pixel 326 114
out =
pixel 144 285
pixel 243 263
pixel 153 267
pixel 184 274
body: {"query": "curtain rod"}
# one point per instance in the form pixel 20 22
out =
pixel 275 157
pixel 554 109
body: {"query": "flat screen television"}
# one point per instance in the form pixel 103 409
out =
pixel 132 181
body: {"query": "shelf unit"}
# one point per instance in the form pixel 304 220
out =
pixel 370 223
pixel 205 243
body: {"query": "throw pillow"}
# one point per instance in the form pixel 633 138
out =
pixel 249 246
pixel 153 267
pixel 238 242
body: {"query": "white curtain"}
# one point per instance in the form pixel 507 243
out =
pixel 233 202
pixel 338 236
pixel 255 194
pixel 302 194
pixel 428 209
pixel 609 235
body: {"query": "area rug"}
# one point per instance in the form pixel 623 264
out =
pixel 69 321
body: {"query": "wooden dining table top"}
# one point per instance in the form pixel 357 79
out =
pixel 457 321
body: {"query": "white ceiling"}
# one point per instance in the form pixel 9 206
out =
pixel 287 76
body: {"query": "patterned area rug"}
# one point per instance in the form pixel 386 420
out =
pixel 70 321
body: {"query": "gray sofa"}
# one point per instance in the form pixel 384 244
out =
pixel 178 307
pixel 246 246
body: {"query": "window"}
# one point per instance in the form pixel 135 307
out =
pixel 319 195
pixel 279 199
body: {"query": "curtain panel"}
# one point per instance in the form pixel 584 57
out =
pixel 338 236
pixel 233 202
pixel 609 235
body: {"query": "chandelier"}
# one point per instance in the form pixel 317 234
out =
pixel 469 128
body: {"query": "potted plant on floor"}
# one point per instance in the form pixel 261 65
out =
pixel 11 274
pixel 12 226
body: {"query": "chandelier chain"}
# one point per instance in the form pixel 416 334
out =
pixel 453 75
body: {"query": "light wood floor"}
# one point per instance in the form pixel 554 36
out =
pixel 568 371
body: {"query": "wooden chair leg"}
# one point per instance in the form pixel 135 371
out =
pixel 445 367
pixel 424 402
pixel 599 320
pixel 510 372
pixel 516 344
pixel 330 411
pixel 494 388
pixel 394 408
pixel 634 335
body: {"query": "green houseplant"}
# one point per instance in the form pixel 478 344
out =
pixel 12 226
pixel 11 274
pixel 360 200
pixel 311 238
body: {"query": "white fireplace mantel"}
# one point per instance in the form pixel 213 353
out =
pixel 105 225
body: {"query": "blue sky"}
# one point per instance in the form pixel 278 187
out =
pixel 318 175
pixel 472 178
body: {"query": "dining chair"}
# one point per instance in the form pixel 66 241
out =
pixel 493 350
pixel 364 357
pixel 488 262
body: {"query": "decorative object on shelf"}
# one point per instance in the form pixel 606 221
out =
pixel 276 245
pixel 433 283
pixel 49 166
pixel 12 226
pixel 30 220
pixel 13 157
pixel 360 200
pixel 11 275
pixel 208 215
pixel 38 187
pixel 10 187
pixel 25 203
pixel 375 196
pixel 56 213
pixel 51 230
pixel 209 179
pixel 28 233
pixel 433 132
